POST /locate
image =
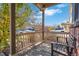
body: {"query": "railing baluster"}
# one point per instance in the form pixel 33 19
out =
pixel 57 39
pixel 66 41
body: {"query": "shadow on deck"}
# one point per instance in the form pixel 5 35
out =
pixel 43 49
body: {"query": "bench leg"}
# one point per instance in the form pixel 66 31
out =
pixel 51 49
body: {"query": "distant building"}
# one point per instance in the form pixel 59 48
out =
pixel 66 26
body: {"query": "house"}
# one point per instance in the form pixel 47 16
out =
pixel 66 26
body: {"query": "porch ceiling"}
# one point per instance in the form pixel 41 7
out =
pixel 44 5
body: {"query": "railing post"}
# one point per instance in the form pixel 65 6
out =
pixel 51 49
pixel 66 41
pixel 75 46
pixel 67 48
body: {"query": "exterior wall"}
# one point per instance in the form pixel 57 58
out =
pixel 75 19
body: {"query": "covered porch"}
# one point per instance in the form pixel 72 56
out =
pixel 39 43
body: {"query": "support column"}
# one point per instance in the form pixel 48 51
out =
pixel 43 12
pixel 12 29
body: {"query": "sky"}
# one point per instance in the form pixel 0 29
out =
pixel 54 15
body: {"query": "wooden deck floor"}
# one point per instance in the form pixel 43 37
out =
pixel 43 49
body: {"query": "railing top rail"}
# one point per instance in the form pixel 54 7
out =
pixel 60 32
pixel 44 32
